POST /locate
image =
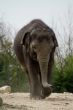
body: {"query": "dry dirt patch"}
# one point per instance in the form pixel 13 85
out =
pixel 21 101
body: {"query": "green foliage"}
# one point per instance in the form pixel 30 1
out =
pixel 11 72
pixel 63 77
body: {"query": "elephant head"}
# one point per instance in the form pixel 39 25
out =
pixel 39 43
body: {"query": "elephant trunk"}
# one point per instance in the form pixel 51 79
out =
pixel 43 63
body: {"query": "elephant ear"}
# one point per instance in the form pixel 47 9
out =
pixel 25 39
pixel 55 40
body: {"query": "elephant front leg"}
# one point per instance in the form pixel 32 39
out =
pixel 46 91
pixel 35 90
pixel 35 84
pixel 50 68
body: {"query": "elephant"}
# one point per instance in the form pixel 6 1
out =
pixel 34 46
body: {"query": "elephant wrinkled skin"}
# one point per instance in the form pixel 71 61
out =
pixel 34 46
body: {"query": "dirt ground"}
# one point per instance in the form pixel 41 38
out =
pixel 21 101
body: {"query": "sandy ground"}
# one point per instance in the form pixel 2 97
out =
pixel 21 101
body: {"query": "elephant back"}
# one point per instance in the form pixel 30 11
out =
pixel 33 25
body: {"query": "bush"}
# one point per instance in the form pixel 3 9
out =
pixel 63 77
pixel 11 72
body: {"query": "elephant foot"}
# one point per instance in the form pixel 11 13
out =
pixel 36 94
pixel 46 91
pixel 36 97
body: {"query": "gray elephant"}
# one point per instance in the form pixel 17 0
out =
pixel 34 46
